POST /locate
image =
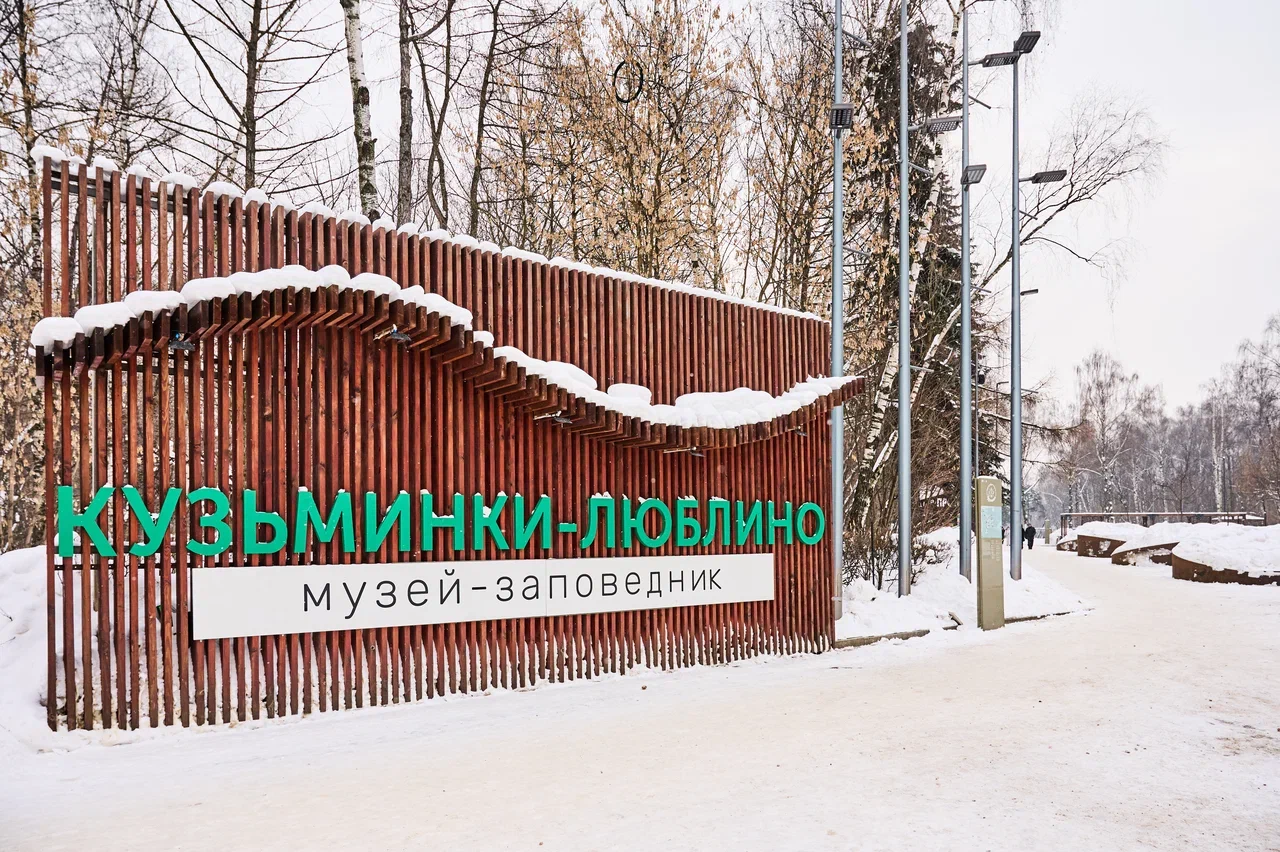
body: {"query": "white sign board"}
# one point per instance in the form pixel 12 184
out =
pixel 268 600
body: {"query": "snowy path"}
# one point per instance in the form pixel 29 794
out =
pixel 1152 722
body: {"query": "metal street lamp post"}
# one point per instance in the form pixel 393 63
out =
pixel 1021 47
pixel 904 319
pixel 1015 339
pixel 837 317
pixel 969 175
pixel 837 321
pixel 841 119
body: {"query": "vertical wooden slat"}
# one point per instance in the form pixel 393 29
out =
pixel 69 573
pixel 50 479
pixel 51 579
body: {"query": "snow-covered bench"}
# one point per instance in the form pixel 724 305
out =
pixel 1229 553
pixel 1100 538
pixel 1154 544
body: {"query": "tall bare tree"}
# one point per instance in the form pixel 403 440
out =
pixel 249 62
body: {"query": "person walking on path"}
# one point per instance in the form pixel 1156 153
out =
pixel 1029 536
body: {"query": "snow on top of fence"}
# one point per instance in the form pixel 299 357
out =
pixel 140 302
pixel 107 315
pixel 56 155
pixel 436 303
pixel 181 179
pixel 631 393
pixel 104 316
pixel 187 182
pixel 55 331
pixel 223 187
pixel 718 410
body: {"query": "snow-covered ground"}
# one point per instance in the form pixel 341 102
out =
pixel 22 647
pixel 940 591
pixel 1149 722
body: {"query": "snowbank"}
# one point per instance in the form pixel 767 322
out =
pixel 1250 550
pixel 868 611
pixel 940 590
pixel 1109 530
pixel 22 644
pixel 1163 533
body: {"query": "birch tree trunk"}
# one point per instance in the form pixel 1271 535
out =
pixel 404 176
pixel 1218 452
pixel 360 109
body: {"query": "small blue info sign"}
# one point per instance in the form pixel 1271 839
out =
pixel 991 520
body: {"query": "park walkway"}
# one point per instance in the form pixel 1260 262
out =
pixel 1150 722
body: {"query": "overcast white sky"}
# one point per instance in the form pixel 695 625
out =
pixel 1201 274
